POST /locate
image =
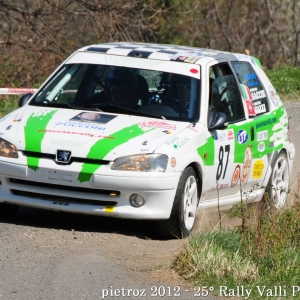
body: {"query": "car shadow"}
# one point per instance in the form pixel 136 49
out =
pixel 27 216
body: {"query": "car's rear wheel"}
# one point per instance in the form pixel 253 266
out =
pixel 278 187
pixel 182 219
pixel 8 210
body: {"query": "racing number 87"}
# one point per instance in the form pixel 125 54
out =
pixel 221 157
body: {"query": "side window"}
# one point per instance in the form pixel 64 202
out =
pixel 252 90
pixel 224 93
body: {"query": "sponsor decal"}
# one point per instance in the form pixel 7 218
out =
pixel 247 164
pixel 250 108
pixel 173 162
pixel 190 57
pixel 220 136
pixel 247 96
pixel 266 122
pixel 157 124
pixel 230 135
pixel 17 118
pixel 259 107
pixel 76 133
pixel 167 132
pixel 84 125
pixel 262 135
pixel 177 142
pixel 173 140
pixel 64 143
pixel 246 92
pixel 258 168
pixel 109 209
pixel 258 95
pixel 273 96
pixel 261 147
pixel 92 117
pixel 242 136
pixel 236 175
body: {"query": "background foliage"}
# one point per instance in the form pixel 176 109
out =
pixel 37 35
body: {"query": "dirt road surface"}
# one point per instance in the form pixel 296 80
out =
pixel 50 255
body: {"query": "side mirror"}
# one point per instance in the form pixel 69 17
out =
pixel 24 99
pixel 216 120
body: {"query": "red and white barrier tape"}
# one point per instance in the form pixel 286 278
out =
pixel 16 91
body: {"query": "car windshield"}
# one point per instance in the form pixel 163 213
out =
pixel 123 90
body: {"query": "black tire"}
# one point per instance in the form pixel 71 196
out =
pixel 8 210
pixel 278 186
pixel 182 218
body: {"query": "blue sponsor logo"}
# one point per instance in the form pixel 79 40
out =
pixel 242 136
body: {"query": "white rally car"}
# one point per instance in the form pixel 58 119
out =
pixel 147 131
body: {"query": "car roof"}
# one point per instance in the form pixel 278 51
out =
pixel 166 52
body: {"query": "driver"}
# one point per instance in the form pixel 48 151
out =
pixel 121 87
pixel 182 88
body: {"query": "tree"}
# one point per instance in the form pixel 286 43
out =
pixel 39 34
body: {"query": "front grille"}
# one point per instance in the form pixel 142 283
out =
pixel 73 159
pixel 63 187
pixel 63 199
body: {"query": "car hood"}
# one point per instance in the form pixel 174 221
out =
pixel 47 130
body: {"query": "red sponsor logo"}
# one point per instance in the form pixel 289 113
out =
pixel 230 135
pixel 157 124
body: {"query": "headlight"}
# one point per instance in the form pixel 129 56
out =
pixel 142 163
pixel 7 149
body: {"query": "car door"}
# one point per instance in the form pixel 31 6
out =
pixel 261 120
pixel 229 150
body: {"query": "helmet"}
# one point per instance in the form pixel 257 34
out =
pixel 121 76
pixel 121 85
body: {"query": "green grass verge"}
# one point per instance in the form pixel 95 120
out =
pixel 263 257
pixel 286 81
pixel 8 104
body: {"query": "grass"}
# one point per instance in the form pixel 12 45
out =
pixel 8 104
pixel 264 253
pixel 286 81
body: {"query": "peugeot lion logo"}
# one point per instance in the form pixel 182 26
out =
pixel 63 156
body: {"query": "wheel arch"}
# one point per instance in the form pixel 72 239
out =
pixel 198 173
pixel 195 161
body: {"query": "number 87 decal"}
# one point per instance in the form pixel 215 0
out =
pixel 221 161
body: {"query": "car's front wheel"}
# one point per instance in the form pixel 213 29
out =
pixel 278 186
pixel 182 219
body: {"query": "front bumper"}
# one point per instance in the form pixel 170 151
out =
pixel 106 193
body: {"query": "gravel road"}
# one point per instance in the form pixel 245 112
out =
pixel 50 255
